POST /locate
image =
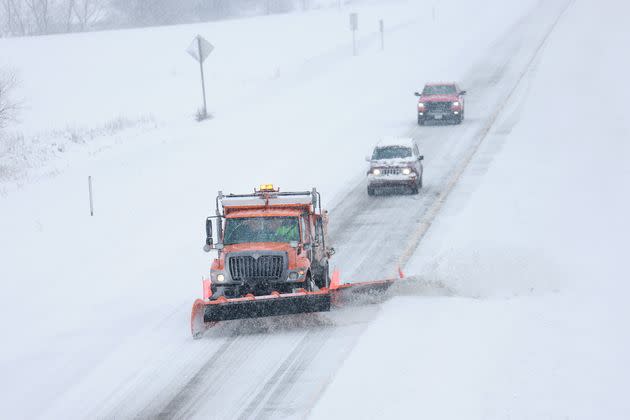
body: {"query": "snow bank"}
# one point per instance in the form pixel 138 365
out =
pixel 533 245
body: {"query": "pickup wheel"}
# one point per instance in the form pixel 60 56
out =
pixel 370 191
pixel 420 121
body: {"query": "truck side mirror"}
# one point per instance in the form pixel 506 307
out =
pixel 368 158
pixel 463 92
pixel 417 94
pixel 209 240
pixel 421 157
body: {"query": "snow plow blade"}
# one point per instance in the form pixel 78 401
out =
pixel 263 306
pixel 206 313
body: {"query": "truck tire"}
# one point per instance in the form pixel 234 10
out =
pixel 323 278
pixel 309 284
pixel 370 191
pixel 420 121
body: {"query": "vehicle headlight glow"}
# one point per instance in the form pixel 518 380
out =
pixel 221 278
pixel 456 103
pixel 293 275
pixel 406 171
pixel 376 171
pixel 420 105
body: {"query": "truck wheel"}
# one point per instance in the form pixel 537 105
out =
pixel 458 119
pixel 420 121
pixel 420 184
pixel 370 191
pixel 323 279
pixel 309 284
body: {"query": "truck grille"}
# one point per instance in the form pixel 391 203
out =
pixel 265 267
pixel 438 106
pixel 390 171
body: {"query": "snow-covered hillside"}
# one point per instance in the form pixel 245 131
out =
pixel 95 310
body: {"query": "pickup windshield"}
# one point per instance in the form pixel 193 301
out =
pixel 391 152
pixel 261 229
pixel 439 90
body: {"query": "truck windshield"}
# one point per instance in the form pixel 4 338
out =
pixel 391 152
pixel 261 229
pixel 439 90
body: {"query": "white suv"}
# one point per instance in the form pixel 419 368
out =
pixel 395 162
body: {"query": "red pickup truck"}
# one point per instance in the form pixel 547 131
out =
pixel 441 101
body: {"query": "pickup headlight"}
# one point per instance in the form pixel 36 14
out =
pixel 456 103
pixel 406 171
pixel 420 105
pixel 220 278
pixel 376 171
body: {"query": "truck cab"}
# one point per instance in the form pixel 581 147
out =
pixel 268 241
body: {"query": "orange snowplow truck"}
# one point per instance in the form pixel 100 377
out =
pixel 270 244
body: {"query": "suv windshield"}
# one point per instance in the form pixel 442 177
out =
pixel 439 90
pixel 261 229
pixel 391 152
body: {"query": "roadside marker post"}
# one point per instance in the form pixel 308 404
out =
pixel 354 26
pixel 381 25
pixel 91 196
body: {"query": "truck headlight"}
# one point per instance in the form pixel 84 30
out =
pixel 376 171
pixel 420 105
pixel 220 278
pixel 406 171
pixel 293 275
pixel 456 103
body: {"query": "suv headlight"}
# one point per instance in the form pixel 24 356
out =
pixel 376 171
pixel 406 171
pixel 420 105
pixel 456 103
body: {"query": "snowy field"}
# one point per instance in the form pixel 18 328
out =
pixel 531 240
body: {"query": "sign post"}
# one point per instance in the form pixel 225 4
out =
pixel 200 49
pixel 381 25
pixel 354 26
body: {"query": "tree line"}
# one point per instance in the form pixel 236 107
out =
pixel 39 17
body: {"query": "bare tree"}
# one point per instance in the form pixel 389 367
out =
pixel 88 12
pixel 40 13
pixel 8 104
pixel 14 17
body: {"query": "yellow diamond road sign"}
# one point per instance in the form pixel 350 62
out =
pixel 200 48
